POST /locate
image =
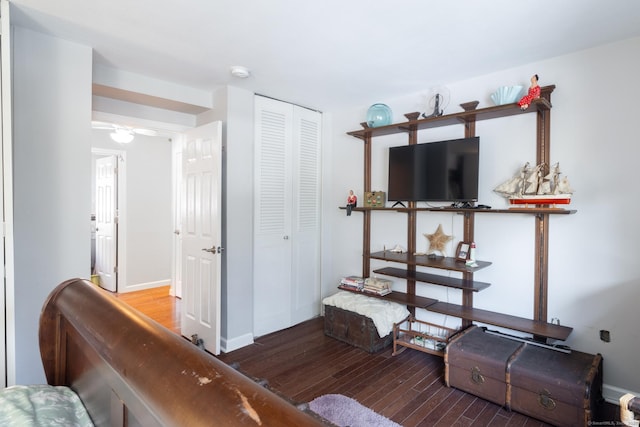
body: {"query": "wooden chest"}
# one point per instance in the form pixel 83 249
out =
pixel 477 363
pixel 354 329
pixel 564 389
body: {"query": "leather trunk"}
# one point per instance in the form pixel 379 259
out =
pixel 477 363
pixel 563 389
pixel 354 329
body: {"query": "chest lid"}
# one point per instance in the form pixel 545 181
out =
pixel 474 347
pixel 568 377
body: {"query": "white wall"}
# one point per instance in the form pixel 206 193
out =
pixel 234 107
pixel 51 164
pixel 593 283
pixel 148 216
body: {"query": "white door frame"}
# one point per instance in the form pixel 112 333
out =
pixel 8 332
pixel 176 262
pixel 121 229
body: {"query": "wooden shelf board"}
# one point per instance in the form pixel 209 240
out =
pixel 436 279
pixel 400 298
pixel 520 210
pixel 446 263
pixel 534 327
pixel 462 117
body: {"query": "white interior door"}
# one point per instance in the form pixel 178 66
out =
pixel 272 217
pixel 201 235
pixel 106 222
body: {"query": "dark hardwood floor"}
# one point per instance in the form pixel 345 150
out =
pixel 301 363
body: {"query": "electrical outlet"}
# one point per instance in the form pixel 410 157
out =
pixel 605 335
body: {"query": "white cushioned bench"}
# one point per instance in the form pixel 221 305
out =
pixel 362 321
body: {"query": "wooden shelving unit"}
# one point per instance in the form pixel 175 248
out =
pixel 538 326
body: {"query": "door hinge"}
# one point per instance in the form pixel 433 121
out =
pixel 115 269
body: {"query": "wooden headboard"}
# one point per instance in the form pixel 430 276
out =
pixel 129 370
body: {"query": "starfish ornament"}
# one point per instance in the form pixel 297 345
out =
pixel 438 241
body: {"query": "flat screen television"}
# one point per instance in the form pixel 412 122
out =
pixel 442 171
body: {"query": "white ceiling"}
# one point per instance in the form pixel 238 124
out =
pixel 329 54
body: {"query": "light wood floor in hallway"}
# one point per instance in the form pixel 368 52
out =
pixel 156 303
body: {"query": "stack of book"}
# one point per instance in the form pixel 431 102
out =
pixel 376 286
pixel 352 283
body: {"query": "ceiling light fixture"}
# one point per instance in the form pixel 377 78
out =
pixel 240 71
pixel 123 136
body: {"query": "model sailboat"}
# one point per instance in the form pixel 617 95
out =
pixel 531 186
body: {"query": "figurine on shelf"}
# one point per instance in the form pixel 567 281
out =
pixel 437 112
pixel 352 202
pixel 533 93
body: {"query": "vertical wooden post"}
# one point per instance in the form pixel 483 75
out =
pixel 366 215
pixel 469 217
pixel 541 253
pixel 412 227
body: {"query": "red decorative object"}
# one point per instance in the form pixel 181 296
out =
pixel 533 93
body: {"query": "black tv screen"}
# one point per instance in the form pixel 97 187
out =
pixel 435 171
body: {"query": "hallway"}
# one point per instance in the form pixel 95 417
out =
pixel 157 304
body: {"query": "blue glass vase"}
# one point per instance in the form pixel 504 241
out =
pixel 379 115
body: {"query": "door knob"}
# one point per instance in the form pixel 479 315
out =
pixel 177 232
pixel 211 249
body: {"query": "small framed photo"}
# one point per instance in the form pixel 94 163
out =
pixel 462 253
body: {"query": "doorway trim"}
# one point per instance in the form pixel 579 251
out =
pixel 121 229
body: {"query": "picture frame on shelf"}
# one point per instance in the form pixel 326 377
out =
pixel 463 251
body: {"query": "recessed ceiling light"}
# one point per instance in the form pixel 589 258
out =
pixel 240 71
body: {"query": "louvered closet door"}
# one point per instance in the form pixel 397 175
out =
pixel 286 229
pixel 306 215
pixel 272 229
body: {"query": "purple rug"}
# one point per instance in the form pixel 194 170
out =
pixel 344 411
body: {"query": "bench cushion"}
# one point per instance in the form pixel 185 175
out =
pixel 383 313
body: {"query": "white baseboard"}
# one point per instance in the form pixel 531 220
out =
pixel 613 394
pixel 141 286
pixel 235 343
